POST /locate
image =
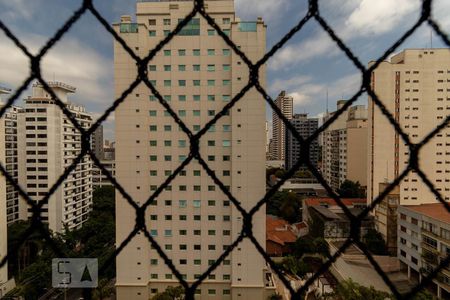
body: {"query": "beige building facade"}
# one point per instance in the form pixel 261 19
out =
pixel 278 147
pixel 48 143
pixel 192 220
pixel 415 87
pixel 8 195
pixel 344 147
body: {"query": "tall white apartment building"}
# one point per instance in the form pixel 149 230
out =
pixel 286 105
pixel 192 220
pixel 344 146
pixel 414 85
pixel 9 200
pixel 48 143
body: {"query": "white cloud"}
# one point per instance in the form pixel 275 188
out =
pixel 268 9
pixel 377 17
pixel 19 9
pixel 441 14
pixel 293 54
pixel 279 85
pixel 69 61
pixel 299 98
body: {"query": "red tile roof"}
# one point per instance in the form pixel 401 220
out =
pixel 300 225
pixel 433 210
pixel 279 231
pixel 330 201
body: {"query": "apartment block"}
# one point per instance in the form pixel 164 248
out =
pixel 423 242
pixel 414 85
pixel 192 220
pixel 9 200
pixel 278 144
pixel 305 127
pixel 48 143
pixel 98 178
pixel 97 142
pixel 344 146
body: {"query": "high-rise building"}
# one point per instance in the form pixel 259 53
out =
pixel 414 87
pixel 9 200
pixel 97 142
pixel 8 157
pixel 192 220
pixel 286 105
pixel 344 146
pixel 305 127
pixel 48 143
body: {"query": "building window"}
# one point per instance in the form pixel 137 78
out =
pixel 226 82
pixel 196 82
pixel 167 53
pixel 226 20
pixel 196 52
pixel 152 32
pixel 226 52
pixel 211 32
pixel 196 97
pixel 211 68
pixel 211 52
pixel 211 82
pixel 196 68
pixel 167 83
pixel 166 22
pixel 211 98
pixel 152 68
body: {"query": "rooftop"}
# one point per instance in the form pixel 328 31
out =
pixel 279 231
pixel 331 201
pixel 433 210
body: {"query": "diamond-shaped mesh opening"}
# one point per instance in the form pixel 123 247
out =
pixel 138 224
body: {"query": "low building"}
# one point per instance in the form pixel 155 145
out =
pixel 98 178
pixel 280 235
pixel 424 241
pixel 329 220
pixel 304 187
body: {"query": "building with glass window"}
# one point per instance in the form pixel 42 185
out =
pixel 424 242
pixel 192 220
pixel 9 198
pixel 414 86
pixel 305 127
pixel 278 144
pixel 344 146
pixel 48 143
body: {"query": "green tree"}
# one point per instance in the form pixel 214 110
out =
pixel 321 247
pixel 375 242
pixel 104 290
pixel 171 293
pixel 285 205
pixel 350 189
pixel 304 174
pixel 350 290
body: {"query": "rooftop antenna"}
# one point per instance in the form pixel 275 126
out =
pixel 431 38
pixel 327 101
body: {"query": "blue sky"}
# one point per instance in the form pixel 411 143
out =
pixel 308 65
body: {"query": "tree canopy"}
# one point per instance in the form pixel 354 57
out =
pixel 350 189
